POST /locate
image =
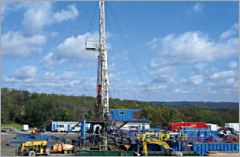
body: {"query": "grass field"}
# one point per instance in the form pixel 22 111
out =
pixel 17 126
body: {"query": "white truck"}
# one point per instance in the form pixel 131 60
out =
pixel 235 126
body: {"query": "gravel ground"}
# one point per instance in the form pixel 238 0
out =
pixel 7 150
pixel 10 150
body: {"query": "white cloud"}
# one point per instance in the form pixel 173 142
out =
pixel 223 75
pixel 62 82
pixel 200 66
pixel 192 47
pixel 40 14
pixel 65 15
pixel 229 85
pixel 232 64
pixel 197 8
pixel 67 79
pixel 23 74
pixel 162 87
pixel 7 6
pixel 67 75
pixel 165 74
pixel 49 76
pixel 14 44
pixel 74 49
pixel 49 62
pixel 211 70
pixel 3 9
pixel 80 66
pixel 197 79
pixel 179 90
pixel 232 31
pixel 54 34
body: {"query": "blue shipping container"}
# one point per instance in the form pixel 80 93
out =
pixel 203 148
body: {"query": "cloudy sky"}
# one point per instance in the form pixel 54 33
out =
pixel 157 51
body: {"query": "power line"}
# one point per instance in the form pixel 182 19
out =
pixel 92 19
pixel 132 20
pixel 130 54
pixel 111 52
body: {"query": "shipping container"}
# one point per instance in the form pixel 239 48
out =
pixel 203 148
pixel 181 125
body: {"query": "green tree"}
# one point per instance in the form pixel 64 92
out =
pixel 64 114
pixel 90 114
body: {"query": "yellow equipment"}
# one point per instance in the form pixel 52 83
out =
pixel 167 152
pixel 154 141
pixel 32 148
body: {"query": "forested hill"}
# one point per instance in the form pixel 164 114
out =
pixel 36 109
pixel 202 105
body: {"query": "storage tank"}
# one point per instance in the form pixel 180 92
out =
pixel 104 143
pixel 232 125
pixel 25 127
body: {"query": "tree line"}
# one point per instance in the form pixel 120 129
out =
pixel 202 105
pixel 35 109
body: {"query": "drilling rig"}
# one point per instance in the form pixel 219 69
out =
pixel 102 102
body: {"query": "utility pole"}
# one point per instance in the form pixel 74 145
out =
pixel 102 104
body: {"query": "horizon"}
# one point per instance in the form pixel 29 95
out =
pixel 126 99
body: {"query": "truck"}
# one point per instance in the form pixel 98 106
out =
pixel 42 129
pixel 235 126
pixel 60 147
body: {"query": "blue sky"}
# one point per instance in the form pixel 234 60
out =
pixel 157 51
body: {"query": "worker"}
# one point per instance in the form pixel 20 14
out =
pixel 97 130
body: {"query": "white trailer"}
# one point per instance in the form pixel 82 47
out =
pixel 232 125
pixel 213 127
pixel 134 126
pixel 25 127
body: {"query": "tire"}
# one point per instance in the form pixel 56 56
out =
pixel 47 151
pixel 31 153
pixel 17 152
pixel 65 152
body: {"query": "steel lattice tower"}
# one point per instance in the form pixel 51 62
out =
pixel 102 77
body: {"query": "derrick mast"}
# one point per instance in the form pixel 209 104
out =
pixel 102 103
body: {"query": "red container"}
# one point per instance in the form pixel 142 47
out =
pixel 178 126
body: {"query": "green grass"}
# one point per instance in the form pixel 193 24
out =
pixel 17 126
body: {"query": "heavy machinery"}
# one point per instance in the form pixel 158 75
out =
pixel 32 148
pixel 60 147
pixel 167 150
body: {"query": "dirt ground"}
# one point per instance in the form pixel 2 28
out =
pixel 7 150
pixel 10 150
